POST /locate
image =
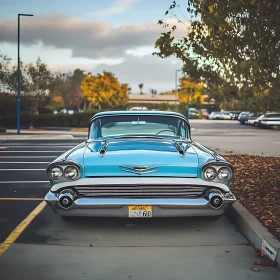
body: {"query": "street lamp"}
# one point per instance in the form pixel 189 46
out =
pixel 18 96
pixel 176 90
pixel 190 89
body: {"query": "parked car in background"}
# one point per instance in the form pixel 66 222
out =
pixel 257 121
pixel 269 120
pixel 204 113
pixel 194 112
pixel 214 115
pixel 253 120
pixel 138 109
pixel 140 165
pixel 220 116
pixel 244 117
pixel 225 116
pixel 234 114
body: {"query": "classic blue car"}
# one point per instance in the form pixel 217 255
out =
pixel 140 164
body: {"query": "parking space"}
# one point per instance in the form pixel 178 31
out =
pixel 24 182
pixel 93 248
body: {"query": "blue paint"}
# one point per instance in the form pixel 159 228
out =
pixel 138 152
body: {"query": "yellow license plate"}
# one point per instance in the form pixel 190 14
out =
pixel 140 211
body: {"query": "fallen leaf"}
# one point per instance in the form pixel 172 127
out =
pixel 255 269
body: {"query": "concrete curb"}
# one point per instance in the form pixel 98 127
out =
pixel 36 137
pixel 253 230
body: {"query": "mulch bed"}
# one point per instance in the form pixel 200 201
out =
pixel 256 184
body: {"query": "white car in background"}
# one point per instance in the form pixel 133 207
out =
pixel 138 109
pixel 214 116
pixel 253 120
pixel 225 116
pixel 194 112
pixel 269 120
pixel 220 116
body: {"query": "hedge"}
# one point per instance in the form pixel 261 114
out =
pixel 51 120
pixel 48 120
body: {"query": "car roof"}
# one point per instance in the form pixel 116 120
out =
pixel 129 113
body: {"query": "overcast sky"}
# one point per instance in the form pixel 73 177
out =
pixel 94 35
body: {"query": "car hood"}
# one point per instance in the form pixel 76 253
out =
pixel 140 158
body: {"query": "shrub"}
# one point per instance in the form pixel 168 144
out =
pixel 11 121
pixel 63 120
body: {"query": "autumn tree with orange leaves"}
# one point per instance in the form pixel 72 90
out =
pixel 104 91
pixel 190 89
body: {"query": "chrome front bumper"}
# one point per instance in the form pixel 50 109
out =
pixel 118 207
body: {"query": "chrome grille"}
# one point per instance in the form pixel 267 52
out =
pixel 140 191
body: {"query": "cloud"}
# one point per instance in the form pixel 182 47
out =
pixel 85 38
pixel 117 7
pixel 154 72
pixel 66 43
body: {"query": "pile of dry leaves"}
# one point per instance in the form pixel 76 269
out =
pixel 256 184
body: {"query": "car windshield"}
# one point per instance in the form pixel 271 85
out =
pixel 139 125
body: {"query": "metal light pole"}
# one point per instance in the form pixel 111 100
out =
pixel 176 89
pixel 188 103
pixel 18 96
pixel 189 92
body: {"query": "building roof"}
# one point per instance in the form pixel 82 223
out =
pixel 156 99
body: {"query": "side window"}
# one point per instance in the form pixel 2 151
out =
pixel 95 130
pixel 273 116
pixel 183 130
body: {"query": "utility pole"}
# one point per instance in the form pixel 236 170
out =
pixel 18 73
pixel 176 89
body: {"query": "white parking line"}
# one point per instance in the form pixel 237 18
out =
pixel 23 182
pixel 21 169
pixel 25 162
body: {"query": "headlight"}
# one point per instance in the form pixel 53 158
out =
pixel 209 173
pixel 71 172
pixel 55 172
pixel 224 174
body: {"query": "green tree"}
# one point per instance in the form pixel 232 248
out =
pixel 4 70
pixel 68 87
pixel 227 43
pixel 141 87
pixel 104 91
pixel 39 84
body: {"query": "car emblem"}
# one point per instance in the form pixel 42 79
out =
pixel 140 170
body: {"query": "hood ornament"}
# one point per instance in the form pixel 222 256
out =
pixel 139 170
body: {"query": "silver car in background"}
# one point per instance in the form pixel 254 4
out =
pixel 271 120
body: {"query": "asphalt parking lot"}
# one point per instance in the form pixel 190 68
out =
pixel 51 248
